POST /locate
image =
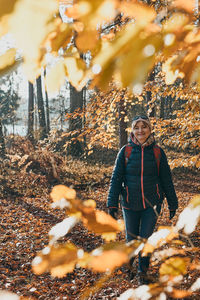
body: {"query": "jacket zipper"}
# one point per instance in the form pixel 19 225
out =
pixel 142 170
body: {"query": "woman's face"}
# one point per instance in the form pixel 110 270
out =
pixel 141 131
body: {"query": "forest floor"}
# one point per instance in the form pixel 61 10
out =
pixel 26 218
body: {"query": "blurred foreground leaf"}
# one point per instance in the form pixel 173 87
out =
pixel 175 266
pixel 190 216
pixel 7 61
pixel 57 259
pixel 61 191
pixel 30 34
pixel 94 220
pixel 112 255
pixel 163 235
pixel 101 223
pixel 180 294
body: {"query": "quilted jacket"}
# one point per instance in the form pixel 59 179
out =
pixel 139 182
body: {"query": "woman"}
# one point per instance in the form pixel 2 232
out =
pixel 143 177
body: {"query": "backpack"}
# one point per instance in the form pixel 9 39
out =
pixel 156 150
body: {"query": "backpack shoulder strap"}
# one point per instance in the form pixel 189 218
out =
pixel 156 150
pixel 127 152
pixel 157 154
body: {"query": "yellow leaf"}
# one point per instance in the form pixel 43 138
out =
pixel 7 7
pixel 175 23
pixel 140 12
pixel 89 203
pixel 89 36
pixel 100 222
pixel 109 36
pixel 60 37
pixel 163 235
pixel 109 236
pixel 78 26
pixel 174 266
pixel 90 152
pixel 29 34
pixel 78 10
pixel 195 201
pixel 41 267
pixel 7 61
pixel 75 68
pixel 59 259
pixel 100 259
pixel 188 5
pixel 180 294
pixel 118 55
pixel 62 191
pixel 103 78
pixel 55 77
pixel 61 270
pixel 170 68
pixel 104 262
pixel 198 164
pixel 148 248
pixel 142 55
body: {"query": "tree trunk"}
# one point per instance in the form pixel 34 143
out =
pixel 2 142
pixel 47 108
pixel 151 106
pixel 122 124
pixel 41 111
pixel 76 102
pixel 30 112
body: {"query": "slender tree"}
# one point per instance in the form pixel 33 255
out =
pixel 41 110
pixel 30 111
pixel 151 105
pixel 76 103
pixel 2 142
pixel 122 123
pixel 47 108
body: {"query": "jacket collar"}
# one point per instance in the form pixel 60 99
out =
pixel 150 140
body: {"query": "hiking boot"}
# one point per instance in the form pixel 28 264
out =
pixel 143 278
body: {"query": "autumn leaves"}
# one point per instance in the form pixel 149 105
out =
pixel 61 258
pixel 125 52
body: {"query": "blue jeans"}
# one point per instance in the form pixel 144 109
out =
pixel 140 223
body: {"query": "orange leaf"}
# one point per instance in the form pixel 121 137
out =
pixel 100 222
pixel 138 11
pixel 188 5
pixel 89 36
pixel 62 191
pixel 179 294
pixel 104 262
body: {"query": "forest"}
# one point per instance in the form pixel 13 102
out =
pixel 88 67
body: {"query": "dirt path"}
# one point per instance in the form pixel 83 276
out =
pixel 25 223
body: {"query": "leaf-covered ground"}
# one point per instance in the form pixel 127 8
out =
pixel 26 218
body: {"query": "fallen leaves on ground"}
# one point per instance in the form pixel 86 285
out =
pixel 25 224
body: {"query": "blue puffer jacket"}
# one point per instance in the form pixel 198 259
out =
pixel 139 182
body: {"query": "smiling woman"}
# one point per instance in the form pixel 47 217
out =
pixel 141 129
pixel 142 175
